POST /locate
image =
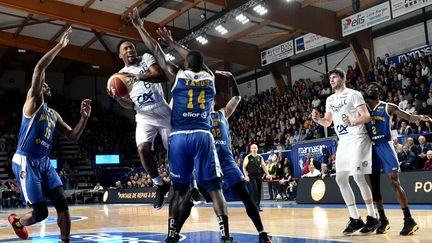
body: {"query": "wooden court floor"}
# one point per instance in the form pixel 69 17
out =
pixel 285 221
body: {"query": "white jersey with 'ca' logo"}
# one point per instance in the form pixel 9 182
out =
pixel 145 96
pixel 345 105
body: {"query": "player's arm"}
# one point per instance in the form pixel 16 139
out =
pixel 166 37
pixel 363 118
pixel 325 121
pixel 232 104
pixel 155 74
pixel 33 99
pixel 168 67
pixel 73 134
pixel 394 109
pixel 245 163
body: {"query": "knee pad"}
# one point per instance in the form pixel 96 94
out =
pixel 40 211
pixel 58 199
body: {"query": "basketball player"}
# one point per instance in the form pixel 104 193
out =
pixel 384 155
pixel 153 114
pixel 36 177
pixel 346 108
pixel 233 178
pixel 191 142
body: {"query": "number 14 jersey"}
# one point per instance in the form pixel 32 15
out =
pixel 193 95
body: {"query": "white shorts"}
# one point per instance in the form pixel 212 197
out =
pixel 149 123
pixel 354 154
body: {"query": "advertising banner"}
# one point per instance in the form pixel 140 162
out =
pixel 401 7
pixel 319 150
pixel 366 19
pixel 132 195
pixel 416 184
pixel 310 41
pixel 426 50
pixel 277 53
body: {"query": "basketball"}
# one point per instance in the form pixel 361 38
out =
pixel 121 83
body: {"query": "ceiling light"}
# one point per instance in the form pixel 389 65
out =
pixel 95 66
pixel 21 51
pixel 260 9
pixel 221 29
pixel 242 19
pixel 202 40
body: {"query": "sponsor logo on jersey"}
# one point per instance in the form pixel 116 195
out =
pixel 195 115
pixel 145 99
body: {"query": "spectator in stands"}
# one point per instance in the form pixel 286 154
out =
pixel 310 160
pixel 428 163
pixel 98 187
pixel 272 170
pixel 411 145
pixel 398 147
pixel 312 172
pixel 410 108
pixel 422 149
pixel 403 102
pixel 326 172
pixel 118 185
pixel 287 185
pixel 405 129
pixel 316 102
pixel 407 160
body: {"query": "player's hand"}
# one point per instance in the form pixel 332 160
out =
pixel 136 19
pixel 165 36
pixel 132 76
pixel 224 73
pixel 64 39
pixel 268 177
pixel 247 178
pixel 315 115
pixel 86 108
pixel 425 118
pixel 347 121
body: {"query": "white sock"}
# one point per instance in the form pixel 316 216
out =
pixel 158 181
pixel 353 211
pixel 193 184
pixel 371 210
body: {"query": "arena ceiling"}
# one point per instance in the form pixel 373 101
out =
pixel 98 25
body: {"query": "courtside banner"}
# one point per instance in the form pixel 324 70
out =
pixel 132 195
pixel 426 50
pixel 277 53
pixel 416 184
pixel 401 7
pixel 318 148
pixel 310 41
pixel 366 19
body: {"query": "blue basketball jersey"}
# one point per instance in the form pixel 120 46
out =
pixel 379 128
pixel 36 133
pixel 193 95
pixel 221 136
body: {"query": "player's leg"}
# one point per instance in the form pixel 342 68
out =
pixel 145 135
pixel 181 167
pixel 372 222
pixel 355 222
pixel 251 210
pixel 29 180
pixel 259 190
pixel 208 175
pixel 410 226
pixel 58 199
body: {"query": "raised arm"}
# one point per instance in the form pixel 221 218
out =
pixel 166 37
pixel 33 99
pixel 394 109
pixel 232 104
pixel 73 134
pixel 168 67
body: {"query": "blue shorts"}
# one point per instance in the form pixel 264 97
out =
pixel 231 174
pixel 384 156
pixel 35 177
pixel 189 150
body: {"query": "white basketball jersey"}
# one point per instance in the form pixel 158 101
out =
pixel 146 96
pixel 345 105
